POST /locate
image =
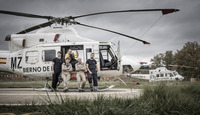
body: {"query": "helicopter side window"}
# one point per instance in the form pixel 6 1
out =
pixel 32 57
pixel 157 75
pixel 48 55
pixel 161 75
pixel 168 74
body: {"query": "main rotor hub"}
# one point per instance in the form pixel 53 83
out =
pixel 66 20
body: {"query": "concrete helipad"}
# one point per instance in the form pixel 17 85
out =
pixel 16 96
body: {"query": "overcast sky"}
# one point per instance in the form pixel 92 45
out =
pixel 171 32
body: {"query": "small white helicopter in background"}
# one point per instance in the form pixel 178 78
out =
pixel 32 54
pixel 158 74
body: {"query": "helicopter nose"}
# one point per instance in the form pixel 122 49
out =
pixel 180 77
pixel 132 62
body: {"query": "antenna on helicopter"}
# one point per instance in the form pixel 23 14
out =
pixel 70 20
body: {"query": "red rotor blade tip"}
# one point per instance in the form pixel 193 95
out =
pixel 144 42
pixel 167 11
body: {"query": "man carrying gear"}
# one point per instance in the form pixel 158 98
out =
pixel 66 69
pixel 80 68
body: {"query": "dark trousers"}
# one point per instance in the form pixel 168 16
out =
pixel 55 79
pixel 73 62
pixel 93 77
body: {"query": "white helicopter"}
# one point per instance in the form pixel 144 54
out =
pixel 158 74
pixel 32 54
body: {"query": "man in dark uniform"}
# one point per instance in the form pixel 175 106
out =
pixel 56 69
pixel 92 68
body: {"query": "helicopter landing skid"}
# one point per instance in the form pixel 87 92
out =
pixel 106 88
pixel 46 87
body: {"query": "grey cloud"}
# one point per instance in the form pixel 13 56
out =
pixel 170 33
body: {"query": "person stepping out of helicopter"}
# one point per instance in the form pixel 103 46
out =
pixel 66 69
pixel 72 57
pixel 56 69
pixel 92 68
pixel 80 68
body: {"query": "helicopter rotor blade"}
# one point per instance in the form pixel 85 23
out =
pixel 24 14
pixel 144 42
pixel 164 12
pixel 36 27
pixel 183 66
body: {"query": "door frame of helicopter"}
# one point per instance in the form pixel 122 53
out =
pixel 85 49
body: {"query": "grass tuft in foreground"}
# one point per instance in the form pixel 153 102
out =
pixel 161 99
pixel 164 99
pixel 156 100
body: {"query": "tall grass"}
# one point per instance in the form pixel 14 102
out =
pixel 158 100
pixel 164 99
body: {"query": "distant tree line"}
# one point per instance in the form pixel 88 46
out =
pixel 186 61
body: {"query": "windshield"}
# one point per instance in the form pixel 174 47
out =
pixel 171 75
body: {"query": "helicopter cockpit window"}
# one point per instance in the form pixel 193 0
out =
pixel 108 60
pixel 166 75
pixel 175 73
pixel 32 57
pixel 48 55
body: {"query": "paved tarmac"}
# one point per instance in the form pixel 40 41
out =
pixel 20 96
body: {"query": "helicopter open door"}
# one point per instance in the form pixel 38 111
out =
pixel 108 59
